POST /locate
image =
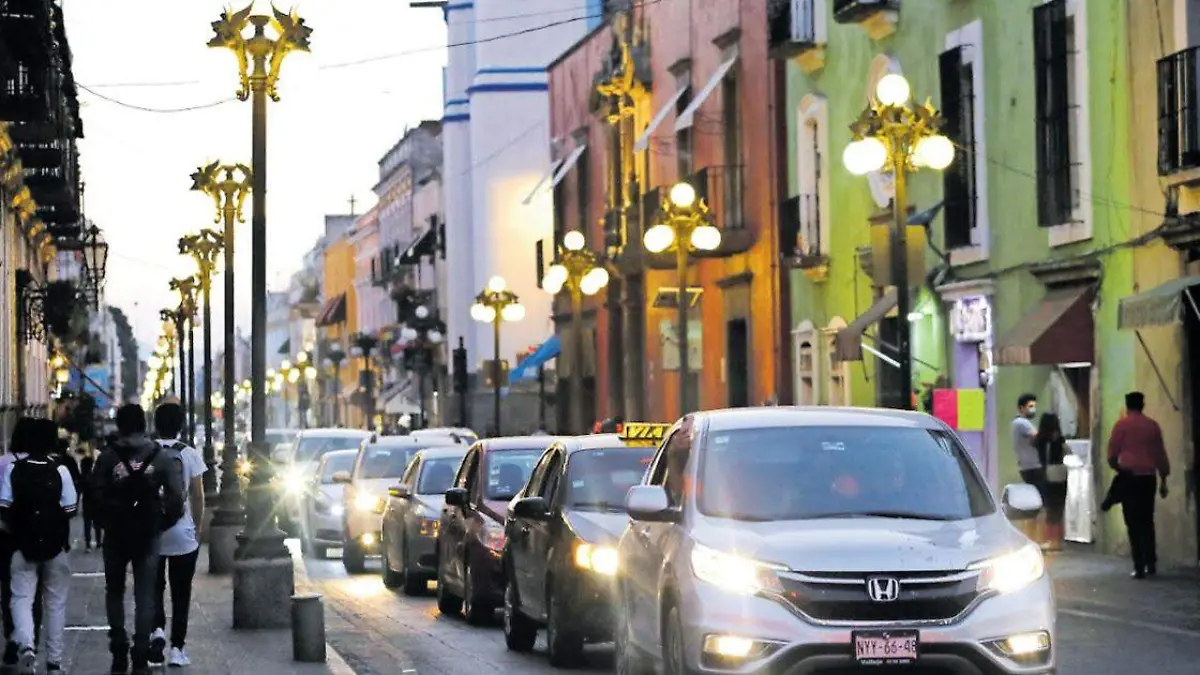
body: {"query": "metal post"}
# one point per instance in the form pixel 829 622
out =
pixel 229 511
pixel 542 397
pixel 210 458
pixel 181 347
pixel 191 380
pixel 370 389
pixel 421 391
pixel 577 422
pixel 337 393
pixel 900 277
pixel 287 405
pixel 496 371
pixel 681 265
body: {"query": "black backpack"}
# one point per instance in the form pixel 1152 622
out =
pixel 135 504
pixel 36 517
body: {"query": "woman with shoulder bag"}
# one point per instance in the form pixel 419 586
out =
pixel 1051 448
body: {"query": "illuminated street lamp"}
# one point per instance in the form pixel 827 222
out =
pixel 204 247
pixel 578 270
pixel 892 135
pixel 495 304
pixel 686 225
pixel 363 347
pixel 334 358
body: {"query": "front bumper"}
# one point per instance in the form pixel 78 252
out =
pixel 487 572
pixel 360 523
pixel 795 646
pixel 591 599
pixel 422 554
pixel 325 528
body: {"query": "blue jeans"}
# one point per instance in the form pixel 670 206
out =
pixel 145 576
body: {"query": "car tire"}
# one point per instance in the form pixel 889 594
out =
pixel 563 644
pixel 673 646
pixel 520 633
pixel 447 602
pixel 391 579
pixel 354 559
pixel 477 611
pixel 628 660
pixel 414 584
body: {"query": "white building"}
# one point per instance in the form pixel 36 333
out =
pixel 497 150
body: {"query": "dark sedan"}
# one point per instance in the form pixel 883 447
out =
pixel 471 537
pixel 560 544
pixel 412 517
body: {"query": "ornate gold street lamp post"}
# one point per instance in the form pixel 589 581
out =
pixel 185 289
pixel 495 304
pixel 204 247
pixel 260 600
pixel 897 137
pixel 577 270
pixel 334 358
pixel 686 225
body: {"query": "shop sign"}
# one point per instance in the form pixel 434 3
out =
pixel 971 319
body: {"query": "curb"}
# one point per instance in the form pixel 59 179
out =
pixel 337 665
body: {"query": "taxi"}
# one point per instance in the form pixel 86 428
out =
pixel 560 540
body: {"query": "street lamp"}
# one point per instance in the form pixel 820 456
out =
pixel 260 591
pixel 95 261
pixel 494 304
pixel 578 270
pixel 422 335
pixel 894 136
pixel 364 345
pixel 229 193
pixel 687 226
pixel 302 373
pixel 185 289
pixel 334 359
pixel 204 247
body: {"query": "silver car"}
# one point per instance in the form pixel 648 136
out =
pixel 800 540
pixel 323 511
pixel 412 517
pixel 296 473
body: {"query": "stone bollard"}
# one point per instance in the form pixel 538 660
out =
pixel 308 628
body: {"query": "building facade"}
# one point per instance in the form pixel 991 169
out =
pixel 338 320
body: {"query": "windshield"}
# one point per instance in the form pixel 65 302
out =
pixel 385 462
pixel 794 473
pixel 334 464
pixel 313 448
pixel 278 438
pixel 508 470
pixel 599 479
pixel 437 475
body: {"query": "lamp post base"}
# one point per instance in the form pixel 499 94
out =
pixel 262 591
pixel 211 500
pixel 222 544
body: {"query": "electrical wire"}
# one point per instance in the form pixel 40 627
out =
pixel 140 108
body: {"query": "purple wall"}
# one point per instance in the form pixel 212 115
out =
pixel 966 376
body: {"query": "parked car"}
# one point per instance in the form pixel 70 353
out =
pixel 379 464
pixel 457 434
pixel 408 538
pixel 321 526
pixel 295 474
pixel 560 543
pixel 471 538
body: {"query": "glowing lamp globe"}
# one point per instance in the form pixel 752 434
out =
pixel 658 238
pixel 513 312
pixel 434 337
pixel 483 313
pixel 892 89
pixel 497 284
pixel 683 195
pixel 706 238
pixel 593 281
pixel 573 240
pixel 422 312
pixel 864 156
pixel 935 152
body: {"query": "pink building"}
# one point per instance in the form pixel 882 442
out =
pixel 375 312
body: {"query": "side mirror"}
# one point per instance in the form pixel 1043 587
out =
pixel 534 508
pixel 399 492
pixel 341 477
pixel 1021 501
pixel 650 503
pixel 457 496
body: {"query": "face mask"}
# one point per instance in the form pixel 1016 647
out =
pixel 1031 412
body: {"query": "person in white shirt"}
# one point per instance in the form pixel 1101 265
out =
pixel 180 545
pixel 37 501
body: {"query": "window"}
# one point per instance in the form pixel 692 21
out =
pixel 597 480
pixel 837 378
pixel 1056 110
pixel 958 113
pixel 508 470
pixel 804 339
pixel 812 172
pixel 384 462
pixel 683 137
pixel 334 463
pixel 583 193
pixel 731 132
pixel 437 475
pixel 313 448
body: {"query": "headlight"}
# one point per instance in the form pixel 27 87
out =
pixel 733 573
pixel 493 536
pixel 337 510
pixel 1012 571
pixel 244 467
pixel 368 502
pixel 599 559
pixel 293 482
pixel 428 527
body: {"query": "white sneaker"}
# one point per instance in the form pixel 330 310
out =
pixel 158 645
pixel 178 658
pixel 27 661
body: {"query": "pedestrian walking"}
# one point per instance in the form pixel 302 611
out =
pixel 139 491
pixel 180 545
pixel 23 436
pixel 37 501
pixel 1136 450
pixel 1051 447
pixel 91 526
pixel 1029 462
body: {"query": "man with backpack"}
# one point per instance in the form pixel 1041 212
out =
pixel 140 494
pixel 37 501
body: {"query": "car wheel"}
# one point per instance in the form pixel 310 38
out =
pixel 565 647
pixel 520 633
pixel 391 578
pixel 628 660
pixel 414 584
pixel 673 646
pixel 448 603
pixel 477 611
pixel 354 559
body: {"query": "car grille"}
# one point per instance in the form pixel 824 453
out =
pixel 843 597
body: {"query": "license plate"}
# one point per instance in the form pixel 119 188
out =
pixel 885 648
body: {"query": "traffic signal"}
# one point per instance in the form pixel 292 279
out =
pixel 459 363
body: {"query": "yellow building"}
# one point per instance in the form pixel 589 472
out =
pixel 337 323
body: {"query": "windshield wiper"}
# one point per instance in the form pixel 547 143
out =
pixel 602 506
pixel 911 515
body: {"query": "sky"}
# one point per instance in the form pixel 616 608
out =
pixel 325 136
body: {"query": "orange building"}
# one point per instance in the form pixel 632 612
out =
pixel 338 323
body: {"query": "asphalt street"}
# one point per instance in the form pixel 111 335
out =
pixel 1107 624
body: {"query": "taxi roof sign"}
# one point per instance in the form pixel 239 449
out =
pixel 643 433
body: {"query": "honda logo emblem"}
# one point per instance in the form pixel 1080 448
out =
pixel 883 589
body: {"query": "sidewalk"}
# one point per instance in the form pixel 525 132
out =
pixel 214 647
pixel 1098 586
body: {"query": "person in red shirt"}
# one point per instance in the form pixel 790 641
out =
pixel 1136 449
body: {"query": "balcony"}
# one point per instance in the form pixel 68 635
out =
pixel 800 236
pixel 877 17
pixel 1179 129
pixel 792 30
pixel 723 188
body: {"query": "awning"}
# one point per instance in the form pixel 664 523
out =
pixel 401 405
pixel 567 165
pixel 1057 330
pixel 848 341
pixel 423 245
pixel 333 312
pixel 643 141
pixel 545 179
pixel 528 369
pixel 1160 306
pixel 685 118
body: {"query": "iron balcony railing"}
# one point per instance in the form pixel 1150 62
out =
pixel 791 24
pixel 723 189
pixel 1178 112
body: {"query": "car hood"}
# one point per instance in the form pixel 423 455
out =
pixel 864 544
pixel 333 492
pixel 596 527
pixel 431 504
pixel 374 486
